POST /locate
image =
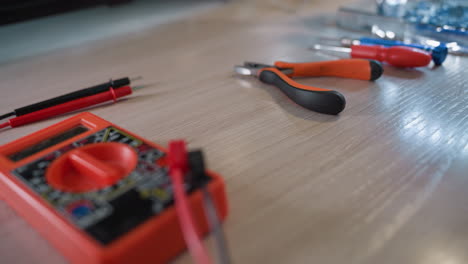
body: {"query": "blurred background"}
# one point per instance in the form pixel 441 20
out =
pixel 32 27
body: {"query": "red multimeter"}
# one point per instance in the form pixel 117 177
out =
pixel 99 193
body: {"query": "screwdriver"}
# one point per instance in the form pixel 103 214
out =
pixel 439 52
pixel 70 96
pixel 110 95
pixel 396 56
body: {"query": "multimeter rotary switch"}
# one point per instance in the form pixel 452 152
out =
pixel 92 167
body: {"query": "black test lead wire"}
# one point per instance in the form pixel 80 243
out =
pixel 198 173
pixel 71 96
pixel 216 228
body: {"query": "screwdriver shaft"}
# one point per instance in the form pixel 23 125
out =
pixel 330 48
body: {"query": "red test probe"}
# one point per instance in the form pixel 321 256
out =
pixel 70 96
pixel 110 95
pixel 397 56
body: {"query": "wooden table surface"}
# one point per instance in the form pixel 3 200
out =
pixel 383 182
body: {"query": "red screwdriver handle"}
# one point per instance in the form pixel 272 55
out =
pixel 70 106
pixel 397 56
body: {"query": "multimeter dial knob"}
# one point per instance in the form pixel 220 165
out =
pixel 91 167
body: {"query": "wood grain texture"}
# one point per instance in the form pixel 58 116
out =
pixel 383 182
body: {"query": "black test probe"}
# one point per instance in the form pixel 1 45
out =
pixel 71 96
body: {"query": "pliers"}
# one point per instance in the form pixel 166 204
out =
pixel 313 98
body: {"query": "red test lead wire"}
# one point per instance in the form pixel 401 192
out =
pixel 178 167
pixel 67 107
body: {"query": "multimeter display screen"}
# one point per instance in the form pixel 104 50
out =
pixel 46 143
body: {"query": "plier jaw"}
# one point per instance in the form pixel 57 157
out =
pixel 254 68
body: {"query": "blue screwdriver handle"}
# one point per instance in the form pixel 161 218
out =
pixel 439 53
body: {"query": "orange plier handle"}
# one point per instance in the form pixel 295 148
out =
pixel 359 69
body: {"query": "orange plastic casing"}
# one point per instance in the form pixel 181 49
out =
pixel 156 240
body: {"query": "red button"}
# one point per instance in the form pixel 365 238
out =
pixel 92 167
